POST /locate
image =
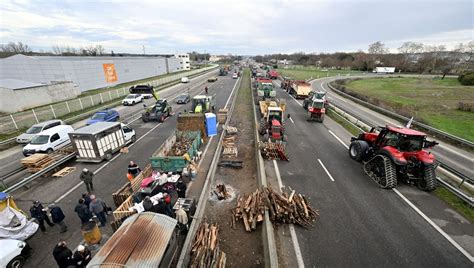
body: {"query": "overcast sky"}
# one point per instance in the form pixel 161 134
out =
pixel 237 27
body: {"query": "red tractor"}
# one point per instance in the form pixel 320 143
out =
pixel 271 125
pixel 393 153
pixel 316 105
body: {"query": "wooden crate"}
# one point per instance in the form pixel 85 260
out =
pixel 122 194
pixel 122 211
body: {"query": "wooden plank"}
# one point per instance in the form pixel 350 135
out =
pixel 64 172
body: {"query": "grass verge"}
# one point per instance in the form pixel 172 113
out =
pixel 455 202
pixel 305 73
pixel 343 122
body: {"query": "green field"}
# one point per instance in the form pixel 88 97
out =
pixel 433 101
pixel 304 73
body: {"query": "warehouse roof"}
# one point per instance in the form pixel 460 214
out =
pixel 141 241
pixel 17 84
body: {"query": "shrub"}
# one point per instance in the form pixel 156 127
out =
pixel 466 106
pixel 466 79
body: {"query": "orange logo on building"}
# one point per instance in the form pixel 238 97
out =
pixel 109 71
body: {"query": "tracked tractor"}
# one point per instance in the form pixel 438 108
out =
pixel 202 104
pixel 159 111
pixel 390 154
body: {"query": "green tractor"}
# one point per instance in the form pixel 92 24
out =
pixel 159 111
pixel 203 104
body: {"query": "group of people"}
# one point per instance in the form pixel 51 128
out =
pixel 65 258
pixel 90 205
pixel 38 212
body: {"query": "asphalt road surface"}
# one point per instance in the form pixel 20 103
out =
pixel 360 224
pixel 10 158
pixel 109 177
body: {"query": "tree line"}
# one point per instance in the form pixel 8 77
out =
pixel 411 57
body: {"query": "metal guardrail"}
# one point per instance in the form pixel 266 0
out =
pixel 456 173
pixel 459 193
pixel 400 117
pixel 27 180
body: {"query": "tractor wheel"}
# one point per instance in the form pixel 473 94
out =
pixel 429 182
pixel 321 118
pixel 144 119
pixel 358 150
pixel 310 117
pixel 263 126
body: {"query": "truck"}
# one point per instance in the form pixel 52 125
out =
pixel 384 70
pixel 100 141
pixel 272 74
pixel 299 89
pixel 177 151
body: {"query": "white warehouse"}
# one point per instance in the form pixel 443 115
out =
pixel 87 72
pixel 184 61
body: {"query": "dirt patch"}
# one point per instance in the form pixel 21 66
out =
pixel 243 249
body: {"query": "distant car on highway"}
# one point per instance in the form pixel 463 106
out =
pixel 14 253
pixel 49 140
pixel 37 129
pixel 108 115
pixel 212 79
pixel 183 98
pixel 235 76
pixel 132 99
pixel 184 80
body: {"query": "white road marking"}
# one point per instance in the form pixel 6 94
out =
pixel 291 119
pixel 437 228
pixel 294 238
pixel 325 169
pixel 337 138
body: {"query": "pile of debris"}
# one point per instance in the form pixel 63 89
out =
pixel 205 250
pixel 251 209
pixel 273 151
pixel 221 192
pixel 229 151
pixel 290 208
pixel 181 146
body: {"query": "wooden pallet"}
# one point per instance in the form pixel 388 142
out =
pixel 230 151
pixel 64 172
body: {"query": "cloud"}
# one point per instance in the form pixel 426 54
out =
pixel 239 27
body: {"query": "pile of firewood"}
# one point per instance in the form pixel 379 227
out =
pixel 251 209
pixel 273 151
pixel 205 251
pixel 181 146
pixel 221 192
pixel 290 208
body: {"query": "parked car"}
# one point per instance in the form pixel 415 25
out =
pixel 184 80
pixel 37 129
pixel 235 76
pixel 183 98
pixel 49 140
pixel 109 115
pixel 14 253
pixel 212 79
pixel 132 99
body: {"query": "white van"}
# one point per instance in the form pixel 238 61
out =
pixel 37 129
pixel 49 140
pixel 184 80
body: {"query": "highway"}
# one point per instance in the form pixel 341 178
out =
pixel 457 158
pixel 109 176
pixel 361 224
pixel 10 158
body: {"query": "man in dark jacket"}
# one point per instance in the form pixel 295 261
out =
pixel 58 216
pixel 97 207
pixel 62 254
pixel 148 204
pixel 87 199
pixel 133 169
pixel 181 188
pixel 82 211
pixel 82 256
pixel 38 212
pixel 86 177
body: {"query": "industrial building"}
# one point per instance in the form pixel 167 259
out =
pixel 88 73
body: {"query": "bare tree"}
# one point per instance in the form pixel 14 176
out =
pixel 57 50
pixel 16 48
pixel 91 50
pixel 378 48
pixel 100 50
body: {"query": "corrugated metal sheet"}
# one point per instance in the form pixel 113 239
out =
pixel 141 242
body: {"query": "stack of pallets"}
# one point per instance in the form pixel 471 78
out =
pixel 37 162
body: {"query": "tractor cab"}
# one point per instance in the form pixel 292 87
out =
pixel 403 139
pixel 158 111
pixel 202 104
pixel 159 105
pixel 275 113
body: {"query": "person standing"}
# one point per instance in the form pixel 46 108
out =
pixel 63 255
pixel 206 89
pixel 58 216
pixel 181 188
pixel 82 256
pixel 82 211
pixel 86 177
pixel 133 169
pixel 87 199
pixel 97 207
pixel 38 212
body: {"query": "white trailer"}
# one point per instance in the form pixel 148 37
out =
pixel 384 70
pixel 100 141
